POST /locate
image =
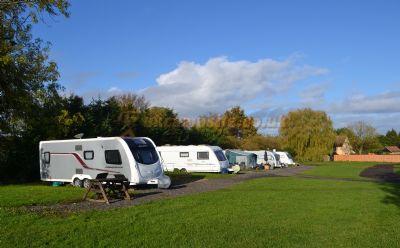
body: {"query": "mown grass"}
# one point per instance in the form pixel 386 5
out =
pixel 26 195
pixel 348 170
pixel 396 168
pixel 274 212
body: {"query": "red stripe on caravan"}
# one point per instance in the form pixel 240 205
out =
pixel 81 162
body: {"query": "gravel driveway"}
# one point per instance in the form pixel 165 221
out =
pixel 144 195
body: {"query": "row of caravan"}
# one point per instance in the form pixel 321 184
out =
pixel 204 158
pixel 252 159
pixel 140 160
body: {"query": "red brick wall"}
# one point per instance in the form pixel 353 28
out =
pixel 368 158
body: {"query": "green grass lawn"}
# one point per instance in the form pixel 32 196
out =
pixel 23 195
pixel 349 170
pixel 397 168
pixel 275 212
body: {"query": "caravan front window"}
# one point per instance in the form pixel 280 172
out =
pixel 142 150
pixel 220 155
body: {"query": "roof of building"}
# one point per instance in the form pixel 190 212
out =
pixel 392 148
pixel 339 141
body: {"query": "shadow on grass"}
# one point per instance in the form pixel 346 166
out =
pixel 393 193
pixel 182 179
pixel 388 180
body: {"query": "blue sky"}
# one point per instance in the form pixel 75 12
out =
pixel 267 56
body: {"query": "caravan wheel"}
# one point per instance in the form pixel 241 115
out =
pixel 77 182
pixel 86 183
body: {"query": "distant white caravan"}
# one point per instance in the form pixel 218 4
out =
pixel 201 158
pixel 267 157
pixel 286 158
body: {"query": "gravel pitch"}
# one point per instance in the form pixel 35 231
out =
pixel 177 189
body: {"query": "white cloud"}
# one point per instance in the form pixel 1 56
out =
pixel 387 102
pixel 313 95
pixel 103 94
pixel 193 89
pixel 381 121
pixel 114 90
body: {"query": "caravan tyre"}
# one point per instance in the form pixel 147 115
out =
pixel 86 183
pixel 77 182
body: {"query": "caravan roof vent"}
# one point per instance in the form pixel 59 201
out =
pixel 78 136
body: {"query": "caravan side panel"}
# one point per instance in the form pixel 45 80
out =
pixel 65 160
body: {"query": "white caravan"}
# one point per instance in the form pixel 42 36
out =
pixel 286 158
pixel 201 158
pixel 267 157
pixel 78 160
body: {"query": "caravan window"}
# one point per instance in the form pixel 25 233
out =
pixel 220 155
pixel 184 154
pixel 113 157
pixel 142 150
pixel 88 155
pixel 202 155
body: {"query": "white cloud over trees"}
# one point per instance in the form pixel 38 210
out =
pixel 193 89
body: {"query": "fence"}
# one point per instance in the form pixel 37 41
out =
pixel 368 158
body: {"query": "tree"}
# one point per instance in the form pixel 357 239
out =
pixel 307 134
pixel 261 142
pixel 390 139
pixel 132 107
pixel 28 88
pixel 225 130
pixel 162 126
pixel 102 118
pixel 24 64
pixel 365 137
pixel 237 124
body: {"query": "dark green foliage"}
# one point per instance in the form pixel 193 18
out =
pixel 29 100
pixel 390 139
pixel 24 65
pixel 162 126
pixel 102 119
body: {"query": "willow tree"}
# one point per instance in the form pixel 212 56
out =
pixel 308 134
